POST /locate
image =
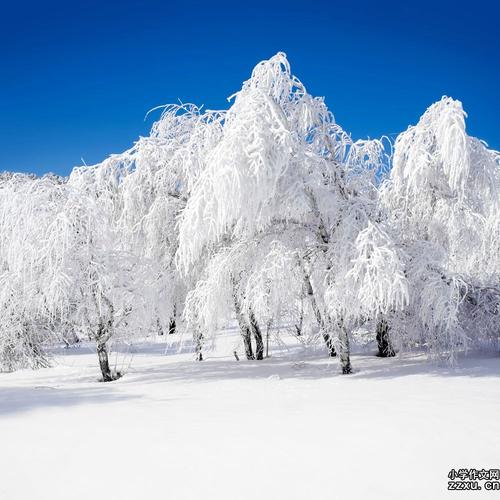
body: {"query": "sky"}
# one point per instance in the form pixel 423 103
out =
pixel 77 78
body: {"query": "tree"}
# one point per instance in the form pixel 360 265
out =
pixel 122 222
pixel 164 168
pixel 283 172
pixel 30 277
pixel 442 202
pixel 110 291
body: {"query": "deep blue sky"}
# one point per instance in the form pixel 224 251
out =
pixel 78 77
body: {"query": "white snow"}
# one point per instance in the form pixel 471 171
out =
pixel 288 427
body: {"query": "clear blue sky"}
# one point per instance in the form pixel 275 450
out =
pixel 78 77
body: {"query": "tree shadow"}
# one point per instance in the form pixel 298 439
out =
pixel 474 364
pixel 18 399
pixel 286 363
pixel 293 364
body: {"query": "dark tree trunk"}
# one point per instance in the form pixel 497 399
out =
pixel 171 326
pixel 319 318
pixel 344 350
pixel 102 335
pixel 329 345
pixel 245 329
pixel 259 344
pixel 102 353
pixel 385 349
pixel 247 342
pixel 298 327
pixel 199 346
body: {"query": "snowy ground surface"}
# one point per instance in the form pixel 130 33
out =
pixel 288 427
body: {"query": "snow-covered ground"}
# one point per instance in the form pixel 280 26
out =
pixel 289 427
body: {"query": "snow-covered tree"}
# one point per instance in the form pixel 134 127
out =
pixel 109 293
pixel 268 214
pixel 31 281
pixel 121 231
pixel 285 181
pixel 442 201
pixel 164 168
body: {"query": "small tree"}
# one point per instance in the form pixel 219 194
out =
pixel 109 288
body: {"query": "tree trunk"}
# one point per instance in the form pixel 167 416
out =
pixel 344 350
pixel 199 346
pixel 245 330
pixel 102 335
pixel 102 353
pixel 329 344
pixel 268 329
pixel 259 344
pixel 172 324
pixel 298 327
pixel 319 318
pixel 247 342
pixel 385 349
